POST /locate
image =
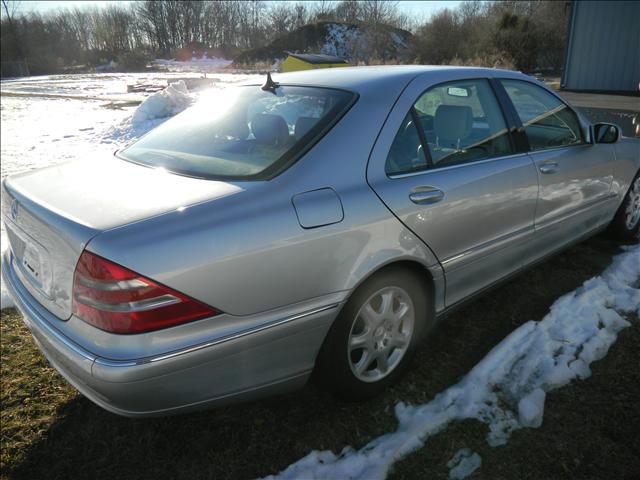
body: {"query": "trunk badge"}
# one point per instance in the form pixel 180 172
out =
pixel 14 209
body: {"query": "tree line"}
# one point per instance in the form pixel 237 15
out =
pixel 524 34
pixel 527 35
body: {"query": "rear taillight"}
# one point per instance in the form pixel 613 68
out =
pixel 115 299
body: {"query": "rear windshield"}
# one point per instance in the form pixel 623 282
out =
pixel 241 133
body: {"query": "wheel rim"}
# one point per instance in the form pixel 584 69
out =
pixel 381 334
pixel 632 213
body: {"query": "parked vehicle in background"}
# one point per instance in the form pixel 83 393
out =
pixel 323 223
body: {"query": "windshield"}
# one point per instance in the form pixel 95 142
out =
pixel 241 133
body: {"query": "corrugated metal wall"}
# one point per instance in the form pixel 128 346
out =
pixel 603 49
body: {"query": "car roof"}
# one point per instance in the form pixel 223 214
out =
pixel 361 79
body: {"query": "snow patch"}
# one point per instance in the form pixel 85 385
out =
pixel 531 409
pixel 195 64
pixel 277 65
pixel 107 67
pixel 6 301
pixel 341 40
pixel 153 111
pixel 463 464
pixel 165 103
pixel 359 43
pixel 506 389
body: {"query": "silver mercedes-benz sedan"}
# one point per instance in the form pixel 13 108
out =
pixel 320 223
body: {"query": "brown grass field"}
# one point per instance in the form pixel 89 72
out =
pixel 590 428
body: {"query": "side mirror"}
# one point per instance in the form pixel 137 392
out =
pixel 606 133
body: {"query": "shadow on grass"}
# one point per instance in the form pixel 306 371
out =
pixel 252 440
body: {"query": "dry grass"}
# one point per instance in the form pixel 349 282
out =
pixel 31 394
pixel 589 431
pixel 256 67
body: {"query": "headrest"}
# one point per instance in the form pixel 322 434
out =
pixel 452 123
pixel 234 126
pixel 303 125
pixel 269 129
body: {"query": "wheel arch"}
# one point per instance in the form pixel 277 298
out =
pixel 427 274
pixel 423 271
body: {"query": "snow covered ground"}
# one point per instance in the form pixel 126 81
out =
pixel 105 86
pixel 51 119
pixel 203 64
pixel 507 389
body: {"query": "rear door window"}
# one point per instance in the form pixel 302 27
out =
pixel 243 133
pixel 460 122
pixel 548 123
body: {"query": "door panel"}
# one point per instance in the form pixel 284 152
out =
pixel 486 209
pixel 574 176
pixel 580 178
pixel 575 196
pixel 472 206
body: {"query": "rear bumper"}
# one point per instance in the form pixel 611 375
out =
pixel 275 358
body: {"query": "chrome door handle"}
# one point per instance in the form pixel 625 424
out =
pixel 549 167
pixel 425 195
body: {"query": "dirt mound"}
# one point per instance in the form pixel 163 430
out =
pixel 355 43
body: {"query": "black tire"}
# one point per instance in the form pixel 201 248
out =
pixel 333 366
pixel 621 226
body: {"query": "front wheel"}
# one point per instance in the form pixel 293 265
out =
pixel 626 223
pixel 374 337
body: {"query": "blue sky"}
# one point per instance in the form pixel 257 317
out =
pixel 418 8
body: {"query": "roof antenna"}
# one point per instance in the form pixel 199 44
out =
pixel 270 85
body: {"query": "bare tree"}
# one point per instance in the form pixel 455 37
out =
pixel 10 8
pixel 323 10
pixel 301 15
pixel 281 17
pixel 349 11
pixel 530 32
pixel 375 12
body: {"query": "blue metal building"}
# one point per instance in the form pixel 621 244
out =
pixel 603 47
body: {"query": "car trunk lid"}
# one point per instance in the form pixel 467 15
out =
pixel 51 214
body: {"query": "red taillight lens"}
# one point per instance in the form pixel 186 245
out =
pixel 115 299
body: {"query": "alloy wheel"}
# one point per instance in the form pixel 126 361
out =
pixel 632 212
pixel 381 334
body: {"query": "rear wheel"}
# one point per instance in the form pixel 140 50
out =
pixel 626 223
pixel 373 339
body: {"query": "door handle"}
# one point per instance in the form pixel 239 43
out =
pixel 549 167
pixel 425 195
